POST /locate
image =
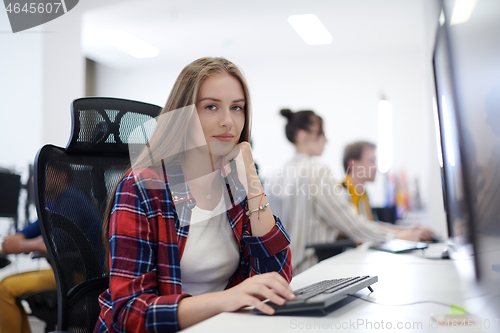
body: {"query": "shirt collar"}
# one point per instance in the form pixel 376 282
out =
pixel 177 183
pixel 180 190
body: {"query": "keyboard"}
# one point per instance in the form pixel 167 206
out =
pixel 320 295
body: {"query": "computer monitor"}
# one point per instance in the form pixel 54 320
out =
pixel 30 186
pixel 456 196
pixel 467 76
pixel 9 194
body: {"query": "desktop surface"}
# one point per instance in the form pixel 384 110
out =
pixel 402 279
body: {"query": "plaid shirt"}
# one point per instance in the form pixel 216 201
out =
pixel 147 239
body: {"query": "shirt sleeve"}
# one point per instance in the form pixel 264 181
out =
pixel 263 254
pixel 267 253
pixel 338 212
pixel 136 301
pixel 270 252
pixel 32 230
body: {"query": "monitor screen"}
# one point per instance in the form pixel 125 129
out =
pixel 458 210
pixel 467 75
pixel 475 47
pixel 9 195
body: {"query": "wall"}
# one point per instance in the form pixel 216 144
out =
pixel 20 95
pixel 345 91
pixel 43 71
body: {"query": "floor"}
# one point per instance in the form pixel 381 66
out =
pixel 37 326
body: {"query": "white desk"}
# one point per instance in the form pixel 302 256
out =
pixel 21 263
pixel 402 279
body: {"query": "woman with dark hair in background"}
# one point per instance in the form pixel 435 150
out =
pixel 312 204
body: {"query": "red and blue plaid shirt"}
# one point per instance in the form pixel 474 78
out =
pixel 147 235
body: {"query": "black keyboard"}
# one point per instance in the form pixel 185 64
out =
pixel 320 295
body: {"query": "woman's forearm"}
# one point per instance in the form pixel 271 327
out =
pixel 250 292
pixel 192 310
pixel 262 221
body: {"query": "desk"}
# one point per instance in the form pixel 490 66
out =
pixel 21 263
pixel 402 279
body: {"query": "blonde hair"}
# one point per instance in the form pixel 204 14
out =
pixel 169 138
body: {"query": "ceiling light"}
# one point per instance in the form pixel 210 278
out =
pixel 462 11
pixel 132 45
pixel 384 142
pixel 441 18
pixel 310 28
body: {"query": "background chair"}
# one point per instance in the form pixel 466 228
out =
pixel 9 197
pixel 96 156
pixel 43 304
pixel 384 214
pixel 327 250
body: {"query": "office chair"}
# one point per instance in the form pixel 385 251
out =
pixel 96 157
pixel 327 250
pixel 385 214
pixel 42 304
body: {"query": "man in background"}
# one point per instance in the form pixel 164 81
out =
pixel 61 199
pixel 360 166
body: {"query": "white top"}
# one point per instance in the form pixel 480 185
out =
pixel 313 208
pixel 211 254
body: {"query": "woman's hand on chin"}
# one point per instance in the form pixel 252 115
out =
pixel 242 155
pixel 254 290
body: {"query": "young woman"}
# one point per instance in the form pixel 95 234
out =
pixel 313 206
pixel 190 232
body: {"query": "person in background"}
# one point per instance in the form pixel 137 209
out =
pixel 312 204
pixel 360 166
pixel 64 200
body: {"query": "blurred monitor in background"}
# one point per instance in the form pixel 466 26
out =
pixel 9 195
pixel 467 76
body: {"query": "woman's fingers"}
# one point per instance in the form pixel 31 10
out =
pixel 260 292
pixel 253 290
pixel 275 276
pixel 269 294
pixel 226 168
pixel 263 307
pixel 269 286
pixel 279 285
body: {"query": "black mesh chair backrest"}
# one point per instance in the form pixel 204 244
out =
pixel 73 186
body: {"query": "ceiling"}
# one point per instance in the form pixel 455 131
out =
pixel 246 30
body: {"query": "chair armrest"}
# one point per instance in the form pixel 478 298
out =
pixel 4 261
pixel 46 297
pixel 39 255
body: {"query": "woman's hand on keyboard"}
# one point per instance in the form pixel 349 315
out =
pixel 254 290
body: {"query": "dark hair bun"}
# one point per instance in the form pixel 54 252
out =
pixel 287 113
